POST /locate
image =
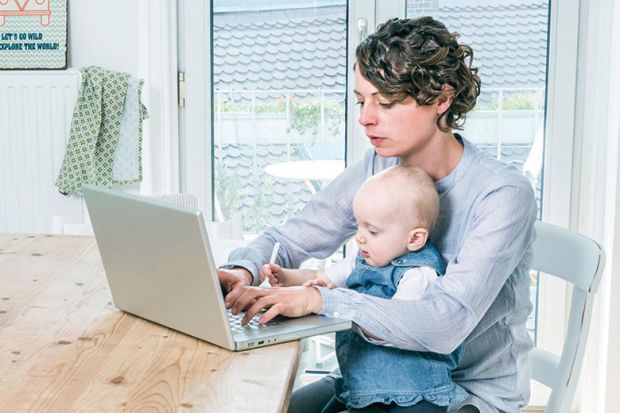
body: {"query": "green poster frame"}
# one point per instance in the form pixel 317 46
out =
pixel 33 34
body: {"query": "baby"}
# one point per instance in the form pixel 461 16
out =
pixel 395 211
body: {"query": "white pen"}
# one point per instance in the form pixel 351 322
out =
pixel 272 260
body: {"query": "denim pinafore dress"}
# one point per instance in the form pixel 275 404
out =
pixel 379 374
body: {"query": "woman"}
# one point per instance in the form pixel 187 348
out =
pixel 415 84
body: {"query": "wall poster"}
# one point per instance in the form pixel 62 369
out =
pixel 33 34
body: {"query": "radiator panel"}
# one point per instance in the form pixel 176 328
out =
pixel 35 119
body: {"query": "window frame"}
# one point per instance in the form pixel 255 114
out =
pixel 195 131
pixel 558 159
pixel 553 294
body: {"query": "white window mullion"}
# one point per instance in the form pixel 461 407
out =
pixel 195 61
pixel 561 92
pixel 385 10
pixel 364 16
pixel 157 65
pixel 361 23
pixel 553 294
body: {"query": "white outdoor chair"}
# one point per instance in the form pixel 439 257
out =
pixel 580 261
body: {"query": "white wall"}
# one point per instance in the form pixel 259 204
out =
pixel 104 33
pixel 137 37
pixel 100 32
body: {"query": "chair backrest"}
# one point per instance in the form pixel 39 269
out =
pixel 580 261
pixel 185 200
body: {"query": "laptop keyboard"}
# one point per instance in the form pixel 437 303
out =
pixel 236 326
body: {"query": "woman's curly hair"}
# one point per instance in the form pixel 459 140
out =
pixel 417 57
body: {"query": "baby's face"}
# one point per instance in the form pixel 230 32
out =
pixel 383 232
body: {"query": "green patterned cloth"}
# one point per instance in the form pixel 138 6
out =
pixel 106 129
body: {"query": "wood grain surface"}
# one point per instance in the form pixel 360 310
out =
pixel 65 347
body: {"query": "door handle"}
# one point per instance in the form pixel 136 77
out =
pixel 362 29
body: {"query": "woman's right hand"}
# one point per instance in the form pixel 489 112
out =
pixel 287 301
pixel 274 273
pixel 234 278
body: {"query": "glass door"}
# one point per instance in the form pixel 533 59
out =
pixel 508 120
pixel 265 123
pixel 525 52
pixel 279 97
pixel 279 82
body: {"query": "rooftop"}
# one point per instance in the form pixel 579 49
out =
pixel 277 46
pixel 305 47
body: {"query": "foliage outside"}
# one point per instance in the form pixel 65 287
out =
pixel 512 100
pixel 305 114
pixel 305 118
pixel 227 190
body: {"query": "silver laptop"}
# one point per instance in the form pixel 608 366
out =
pixel 160 267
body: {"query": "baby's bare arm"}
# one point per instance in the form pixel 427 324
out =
pixel 286 277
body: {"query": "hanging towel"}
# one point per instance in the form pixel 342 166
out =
pixel 127 163
pixel 105 142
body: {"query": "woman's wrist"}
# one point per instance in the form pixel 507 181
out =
pixel 244 273
pixel 247 274
pixel 316 300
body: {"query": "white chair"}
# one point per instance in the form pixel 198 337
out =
pixel 580 261
pixel 185 200
pixel 85 228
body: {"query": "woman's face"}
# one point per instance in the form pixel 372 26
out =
pixel 402 129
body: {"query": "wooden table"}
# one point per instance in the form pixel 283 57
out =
pixel 64 347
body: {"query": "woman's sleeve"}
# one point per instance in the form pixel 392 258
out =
pixel 321 227
pixel 498 240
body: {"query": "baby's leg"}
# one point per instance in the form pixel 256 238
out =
pixel 421 407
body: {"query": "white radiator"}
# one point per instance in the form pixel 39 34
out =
pixel 35 118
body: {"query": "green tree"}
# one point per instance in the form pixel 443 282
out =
pixel 227 189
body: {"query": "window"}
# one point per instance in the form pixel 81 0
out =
pixel 279 94
pixel 264 113
pixel 508 120
pixel 525 52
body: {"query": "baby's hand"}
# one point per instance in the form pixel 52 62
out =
pixel 273 272
pixel 320 283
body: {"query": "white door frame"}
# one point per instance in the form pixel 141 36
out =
pixel 569 172
pixel 157 65
pixel 196 130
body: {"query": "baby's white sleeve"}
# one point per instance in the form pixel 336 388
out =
pixel 414 283
pixel 339 271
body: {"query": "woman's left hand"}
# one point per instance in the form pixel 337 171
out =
pixel 287 301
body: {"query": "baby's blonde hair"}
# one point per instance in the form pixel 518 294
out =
pixel 412 190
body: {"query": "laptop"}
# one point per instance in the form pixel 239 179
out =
pixel 159 265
